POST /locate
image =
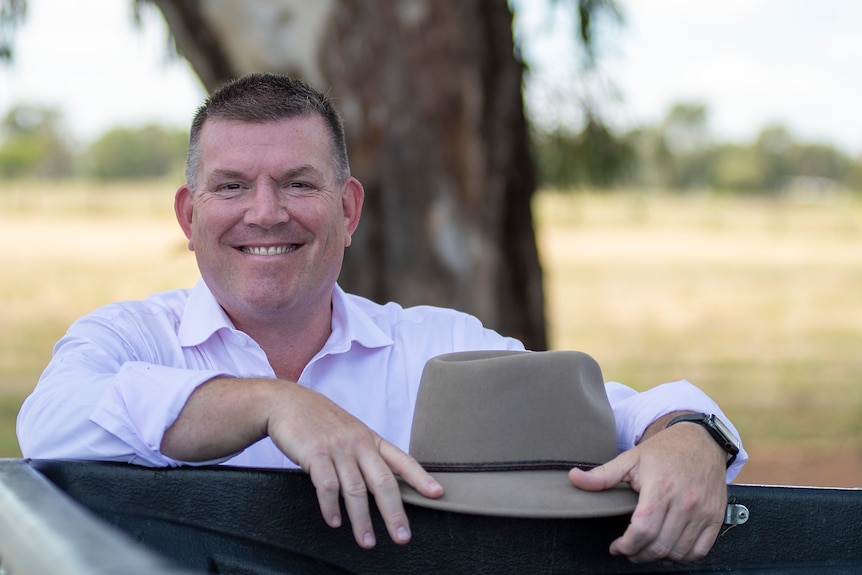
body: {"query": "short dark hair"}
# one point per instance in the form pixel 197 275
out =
pixel 264 97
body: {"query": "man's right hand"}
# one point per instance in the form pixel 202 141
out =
pixel 340 453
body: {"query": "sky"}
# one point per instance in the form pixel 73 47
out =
pixel 752 63
pixel 87 58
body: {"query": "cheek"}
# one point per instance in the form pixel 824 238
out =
pixel 203 235
pixel 206 226
pixel 196 233
pixel 322 219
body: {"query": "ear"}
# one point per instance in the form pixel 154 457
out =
pixel 352 197
pixel 183 208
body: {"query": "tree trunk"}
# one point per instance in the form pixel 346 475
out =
pixel 430 91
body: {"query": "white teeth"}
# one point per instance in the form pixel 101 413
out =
pixel 270 251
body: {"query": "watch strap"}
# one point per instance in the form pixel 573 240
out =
pixel 706 420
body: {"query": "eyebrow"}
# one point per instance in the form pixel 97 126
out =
pixel 224 174
pixel 303 170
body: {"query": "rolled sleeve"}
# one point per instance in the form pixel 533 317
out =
pixel 635 411
pixel 117 381
pixel 130 411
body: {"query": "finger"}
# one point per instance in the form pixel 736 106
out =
pixel 698 535
pixel 678 533
pixel 355 494
pixel 690 527
pixel 597 479
pixel 406 467
pixel 649 533
pixel 703 544
pixel 622 468
pixel 653 529
pixel 325 481
pixel 693 544
pixel 681 549
pixel 383 483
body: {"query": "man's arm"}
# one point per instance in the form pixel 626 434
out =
pixel 107 394
pixel 339 452
pixel 679 473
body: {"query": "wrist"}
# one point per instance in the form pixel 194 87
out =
pixel 660 424
pixel 221 417
pixel 718 432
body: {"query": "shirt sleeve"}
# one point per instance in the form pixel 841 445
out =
pixel 96 400
pixel 635 411
pixel 132 413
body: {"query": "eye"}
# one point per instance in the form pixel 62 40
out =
pixel 299 187
pixel 229 189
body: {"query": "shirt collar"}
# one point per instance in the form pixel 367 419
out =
pixel 203 316
pixel 350 323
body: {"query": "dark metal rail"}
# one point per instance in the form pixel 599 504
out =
pixel 44 532
pixel 56 517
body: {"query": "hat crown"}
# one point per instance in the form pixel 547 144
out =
pixel 510 410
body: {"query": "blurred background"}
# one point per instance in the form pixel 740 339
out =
pixel 687 177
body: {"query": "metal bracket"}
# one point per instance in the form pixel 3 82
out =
pixel 736 514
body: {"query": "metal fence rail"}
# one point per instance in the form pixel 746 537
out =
pixel 57 517
pixel 44 532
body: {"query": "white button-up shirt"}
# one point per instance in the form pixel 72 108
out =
pixel 122 374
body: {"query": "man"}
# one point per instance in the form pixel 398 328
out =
pixel 268 363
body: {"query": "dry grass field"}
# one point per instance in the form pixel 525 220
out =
pixel 758 302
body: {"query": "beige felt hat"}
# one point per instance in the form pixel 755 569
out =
pixel 501 429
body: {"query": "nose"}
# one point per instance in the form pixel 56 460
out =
pixel 266 208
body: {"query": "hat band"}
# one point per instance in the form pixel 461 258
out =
pixel 486 466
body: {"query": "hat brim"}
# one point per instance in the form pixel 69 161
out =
pixel 538 494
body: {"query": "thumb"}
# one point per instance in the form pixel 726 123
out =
pixel 605 476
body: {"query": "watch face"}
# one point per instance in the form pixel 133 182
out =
pixel 727 435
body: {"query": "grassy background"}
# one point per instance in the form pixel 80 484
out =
pixel 757 301
pixel 70 249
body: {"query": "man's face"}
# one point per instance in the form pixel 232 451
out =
pixel 268 221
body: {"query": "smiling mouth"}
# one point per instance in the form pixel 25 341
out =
pixel 269 251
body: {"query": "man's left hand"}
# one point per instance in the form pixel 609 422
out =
pixel 679 473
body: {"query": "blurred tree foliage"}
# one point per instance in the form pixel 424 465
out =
pixel 588 153
pixel 677 154
pixel 129 153
pixel 593 157
pixel 681 154
pixel 33 142
pixel 12 14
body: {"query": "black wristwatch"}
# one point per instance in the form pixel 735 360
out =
pixel 717 429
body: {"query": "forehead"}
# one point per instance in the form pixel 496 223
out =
pixel 305 136
pixel 305 125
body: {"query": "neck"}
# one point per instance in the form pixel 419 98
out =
pixel 290 341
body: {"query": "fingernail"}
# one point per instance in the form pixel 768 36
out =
pixel 368 539
pixel 335 521
pixel 402 533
